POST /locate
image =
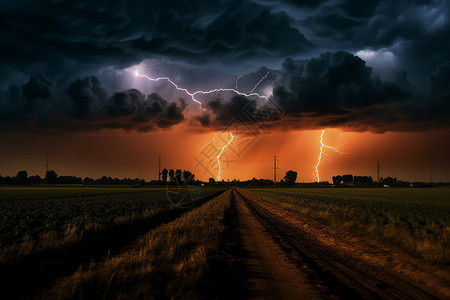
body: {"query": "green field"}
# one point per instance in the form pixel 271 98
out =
pixel 48 233
pixel 170 262
pixel 45 215
pixel 67 243
pixel 417 220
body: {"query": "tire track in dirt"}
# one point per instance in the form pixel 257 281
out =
pixel 344 275
pixel 268 273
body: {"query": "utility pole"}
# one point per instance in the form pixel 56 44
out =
pixel 275 169
pixel 378 170
pixel 46 165
pixel 159 169
pixel 431 174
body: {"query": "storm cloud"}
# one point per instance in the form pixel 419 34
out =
pixel 339 90
pixel 87 106
pixel 62 63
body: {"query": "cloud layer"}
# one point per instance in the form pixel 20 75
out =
pixel 53 57
pixel 339 90
pixel 86 106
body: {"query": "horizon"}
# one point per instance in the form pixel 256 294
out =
pixel 259 163
pixel 276 80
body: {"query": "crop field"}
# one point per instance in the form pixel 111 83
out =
pixel 50 232
pixel 30 213
pixel 166 263
pixel 417 220
pixel 196 243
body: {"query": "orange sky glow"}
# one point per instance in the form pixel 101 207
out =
pixel 407 156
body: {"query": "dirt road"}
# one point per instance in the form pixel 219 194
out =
pixel 289 258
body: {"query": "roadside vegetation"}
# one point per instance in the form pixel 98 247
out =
pixel 417 220
pixel 169 262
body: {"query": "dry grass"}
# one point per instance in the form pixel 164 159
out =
pixel 168 262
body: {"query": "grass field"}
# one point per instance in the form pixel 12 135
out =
pixel 417 220
pixel 31 213
pixel 75 243
pixel 169 262
pixel 47 233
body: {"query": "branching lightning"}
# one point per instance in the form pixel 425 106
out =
pixel 319 156
pixel 259 82
pixel 237 80
pixel 217 157
pixel 256 85
pixel 193 94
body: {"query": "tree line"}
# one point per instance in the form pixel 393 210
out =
pixel 177 177
pixel 51 177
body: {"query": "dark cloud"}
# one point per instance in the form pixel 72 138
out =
pixel 440 85
pixel 337 90
pixel 36 91
pixel 332 83
pixel 118 33
pixel 89 107
pixel 84 95
pixel 356 9
pixel 296 3
pixel 86 35
pixel 226 111
pixel 46 45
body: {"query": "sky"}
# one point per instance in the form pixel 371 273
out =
pixel 239 82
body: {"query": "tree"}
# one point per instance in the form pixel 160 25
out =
pixel 51 177
pixel 390 181
pixel 187 176
pixel 36 179
pixel 164 175
pixel 347 179
pixel 178 176
pixel 337 180
pixel 22 177
pixel 212 181
pixel 87 181
pixel 290 177
pixel 103 180
pixel 172 175
pixel 69 180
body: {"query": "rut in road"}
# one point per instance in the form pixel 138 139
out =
pixel 290 263
pixel 268 274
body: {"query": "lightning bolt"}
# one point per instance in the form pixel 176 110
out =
pixel 220 154
pixel 319 156
pixel 237 80
pixel 217 157
pixel 192 95
pixel 256 85
pixel 200 92
pixel 259 82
